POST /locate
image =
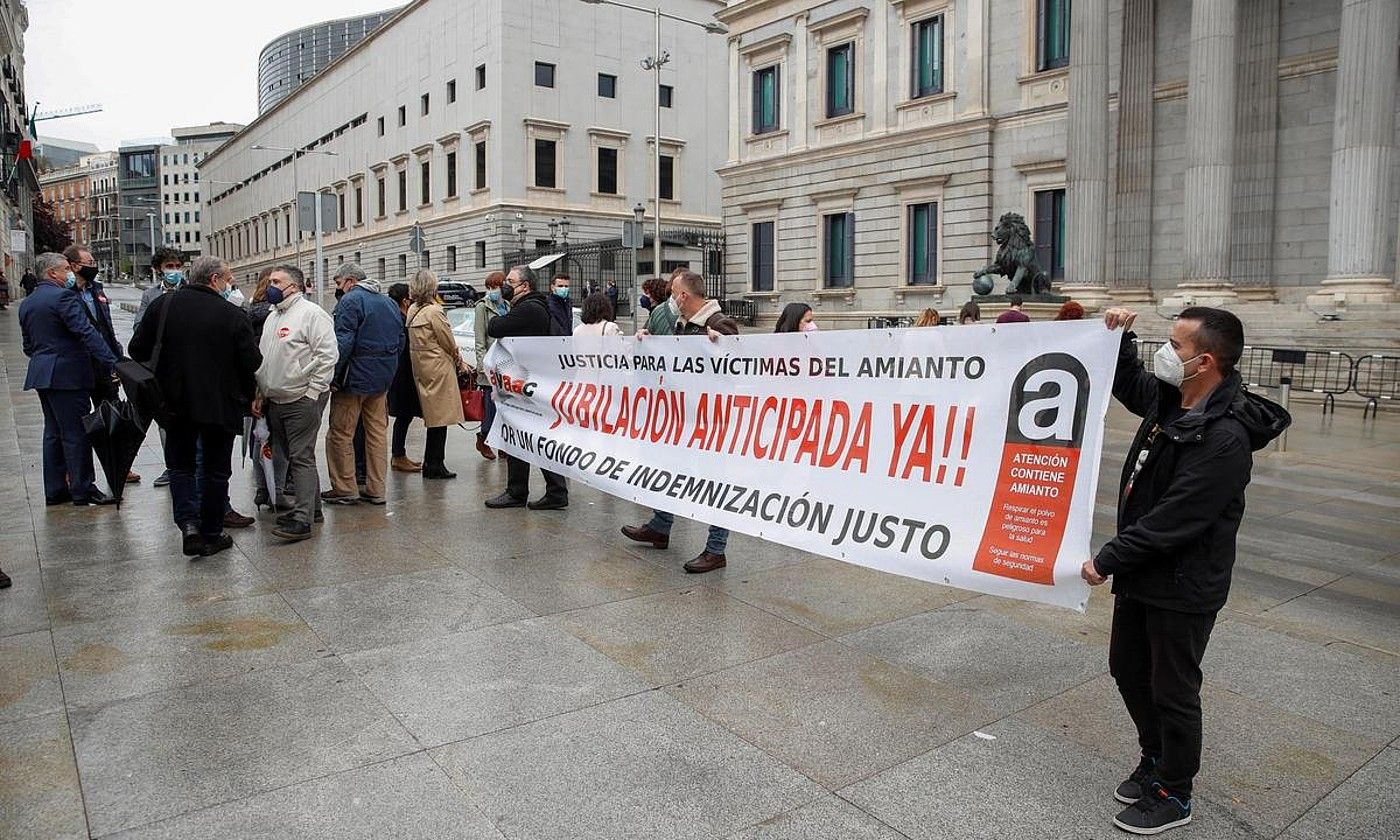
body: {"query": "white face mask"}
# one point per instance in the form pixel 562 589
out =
pixel 1169 367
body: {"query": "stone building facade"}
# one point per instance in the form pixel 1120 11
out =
pixel 476 120
pixel 1162 152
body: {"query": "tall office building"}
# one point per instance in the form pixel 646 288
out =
pixel 291 60
pixel 180 189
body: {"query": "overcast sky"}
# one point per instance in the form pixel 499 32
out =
pixel 156 64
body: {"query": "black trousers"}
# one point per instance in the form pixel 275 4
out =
pixel 518 481
pixel 1155 656
pixel 399 445
pixel 435 447
pixel 199 495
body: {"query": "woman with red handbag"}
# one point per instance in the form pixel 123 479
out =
pixel 436 367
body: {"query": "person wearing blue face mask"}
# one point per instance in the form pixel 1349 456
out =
pixel 561 310
pixel 167 266
pixel 67 356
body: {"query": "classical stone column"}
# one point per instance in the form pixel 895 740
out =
pixel 736 112
pixel 1086 156
pixel 1210 152
pixel 799 81
pixel 1132 280
pixel 1363 149
pixel 1256 151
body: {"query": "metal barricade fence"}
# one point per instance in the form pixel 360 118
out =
pixel 1376 377
pixel 1325 372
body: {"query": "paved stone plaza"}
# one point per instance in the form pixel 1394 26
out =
pixel 429 670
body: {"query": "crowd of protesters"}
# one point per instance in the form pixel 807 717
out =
pixel 224 365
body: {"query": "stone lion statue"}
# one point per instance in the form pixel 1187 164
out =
pixel 1015 259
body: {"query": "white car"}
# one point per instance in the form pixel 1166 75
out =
pixel 463 322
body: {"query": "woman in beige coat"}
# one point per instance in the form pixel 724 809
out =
pixel 436 363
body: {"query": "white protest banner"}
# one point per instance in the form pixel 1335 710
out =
pixel 966 456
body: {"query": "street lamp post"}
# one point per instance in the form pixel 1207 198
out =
pixel 316 207
pixel 639 214
pixel 655 62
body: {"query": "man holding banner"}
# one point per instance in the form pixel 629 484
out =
pixel 1181 499
pixel 698 316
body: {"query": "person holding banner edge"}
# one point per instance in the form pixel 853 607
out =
pixel 1181 498
pixel 529 315
pixel 697 316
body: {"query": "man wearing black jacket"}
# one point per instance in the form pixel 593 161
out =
pixel 529 315
pixel 205 370
pixel 1181 498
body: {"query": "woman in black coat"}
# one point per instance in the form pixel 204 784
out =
pixel 403 394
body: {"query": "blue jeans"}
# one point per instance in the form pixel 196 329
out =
pixel 715 542
pixel 489 412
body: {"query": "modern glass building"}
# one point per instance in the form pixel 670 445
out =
pixel 291 60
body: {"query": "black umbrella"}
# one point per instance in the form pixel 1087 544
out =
pixel 116 431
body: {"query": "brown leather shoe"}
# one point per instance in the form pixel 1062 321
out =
pixel 486 452
pixel 401 463
pixel 133 478
pixel 234 519
pixel 706 562
pixel 643 534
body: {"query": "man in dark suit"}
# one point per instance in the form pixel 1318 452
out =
pixel 66 357
pixel 205 371
pixel 99 314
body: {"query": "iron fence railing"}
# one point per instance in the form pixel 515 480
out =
pixel 1326 373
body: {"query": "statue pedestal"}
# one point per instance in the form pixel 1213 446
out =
pixel 1038 307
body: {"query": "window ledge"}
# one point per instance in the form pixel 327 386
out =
pixel 767 135
pixel 403 212
pixel 1043 76
pixel 930 99
pixel 450 199
pixel 559 190
pixel 935 291
pixel 762 296
pixel 854 116
pixel 481 190
pixel 380 218
pixel 425 205
pixel 606 195
pixel 845 295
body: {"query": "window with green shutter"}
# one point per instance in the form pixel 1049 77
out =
pixel 923 244
pixel 840 80
pixel 1050 232
pixel 928 57
pixel 766 90
pixel 838 249
pixel 1052 34
pixel 763 256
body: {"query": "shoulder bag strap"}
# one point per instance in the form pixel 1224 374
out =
pixel 160 331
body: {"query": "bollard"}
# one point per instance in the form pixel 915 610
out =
pixel 1285 388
